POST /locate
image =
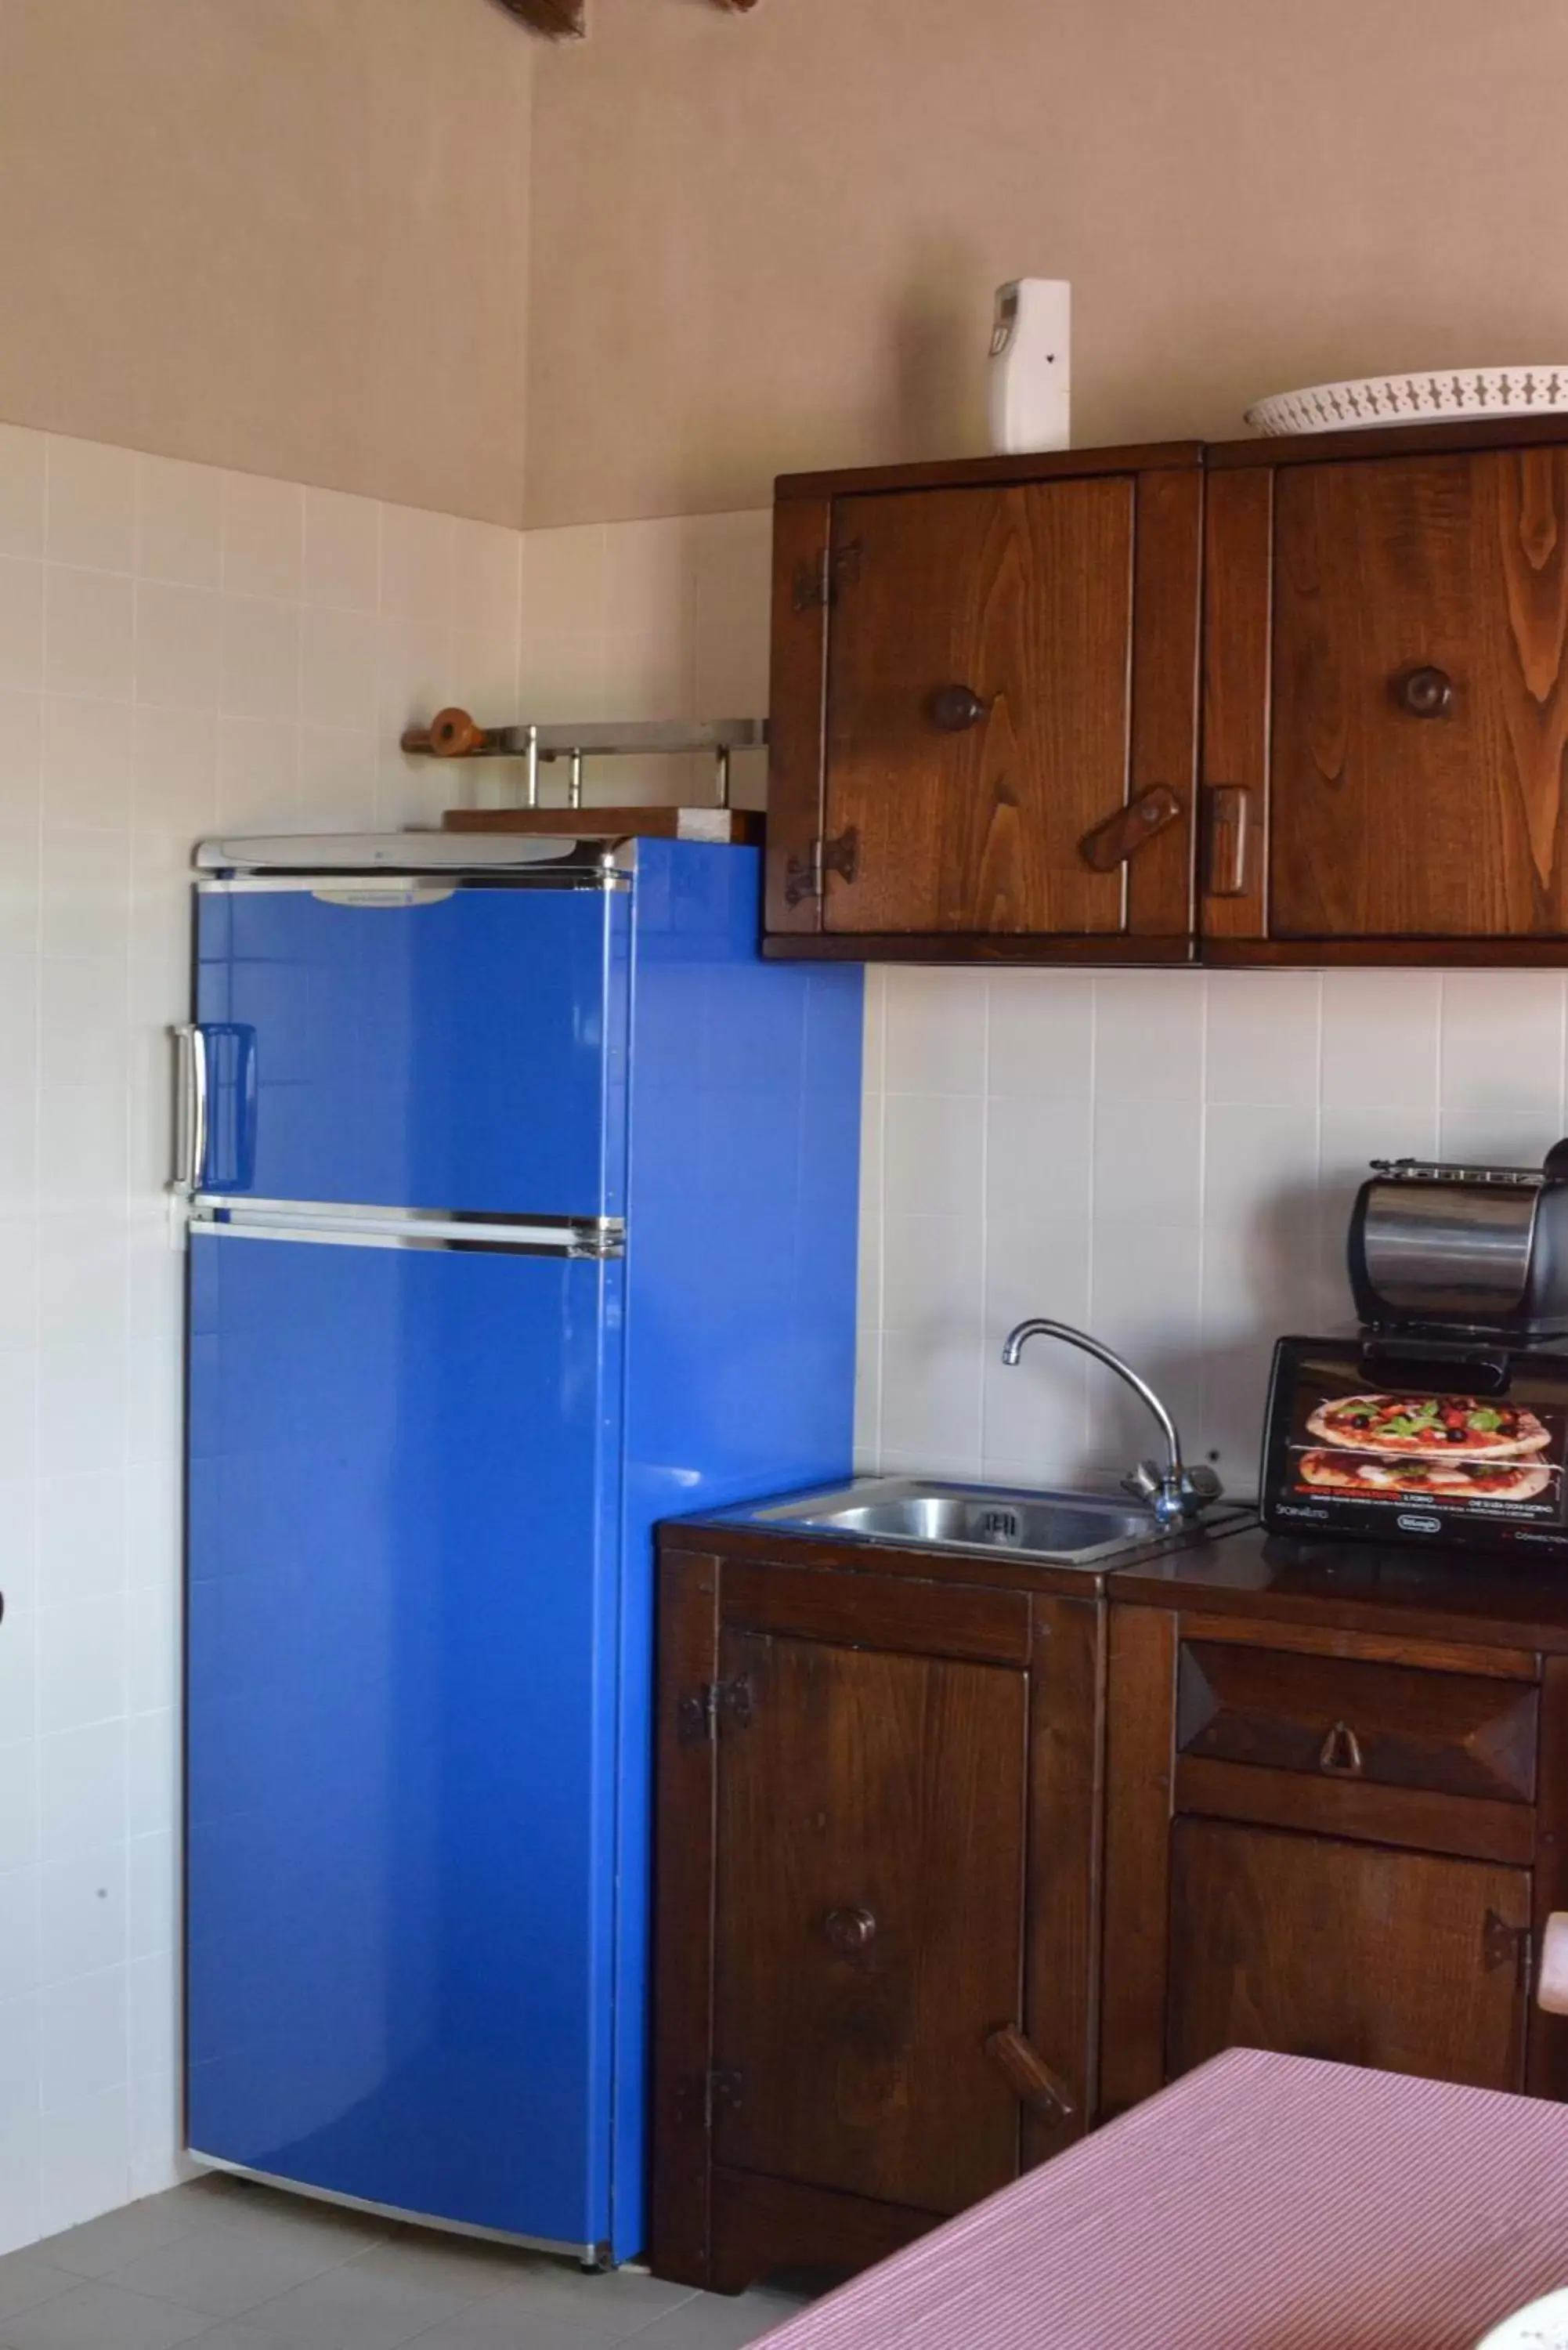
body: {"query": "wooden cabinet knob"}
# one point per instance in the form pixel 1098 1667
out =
pixel 954 709
pixel 850 1930
pixel 1427 692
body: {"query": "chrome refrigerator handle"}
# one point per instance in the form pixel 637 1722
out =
pixel 191 1146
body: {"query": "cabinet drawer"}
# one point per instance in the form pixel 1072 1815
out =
pixel 1454 1733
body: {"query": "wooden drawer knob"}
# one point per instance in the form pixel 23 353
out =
pixel 954 709
pixel 850 1930
pixel 1427 692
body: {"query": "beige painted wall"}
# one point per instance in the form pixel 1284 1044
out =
pixel 289 236
pixel 771 241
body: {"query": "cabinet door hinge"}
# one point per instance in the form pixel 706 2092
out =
pixel 1504 1945
pixel 701 2095
pixel 805 876
pixel 725 2091
pixel 701 1712
pixel 817 585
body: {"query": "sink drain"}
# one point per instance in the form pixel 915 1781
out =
pixel 1001 1527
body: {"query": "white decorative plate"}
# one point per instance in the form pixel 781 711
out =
pixel 1414 399
pixel 1543 2326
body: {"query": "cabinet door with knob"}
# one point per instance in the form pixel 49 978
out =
pixel 870 1849
pixel 875 1908
pixel 985 710
pixel 1386 703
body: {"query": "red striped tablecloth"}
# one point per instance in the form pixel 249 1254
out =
pixel 1263 2203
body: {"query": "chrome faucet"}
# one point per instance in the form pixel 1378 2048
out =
pixel 1176 1494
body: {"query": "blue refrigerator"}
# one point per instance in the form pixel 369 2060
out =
pixel 523 1211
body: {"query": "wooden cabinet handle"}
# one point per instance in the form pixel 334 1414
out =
pixel 1230 840
pixel 1028 2075
pixel 850 1930
pixel 954 709
pixel 1340 1753
pixel 1427 692
pixel 1111 844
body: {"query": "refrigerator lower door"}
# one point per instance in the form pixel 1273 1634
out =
pixel 401 1725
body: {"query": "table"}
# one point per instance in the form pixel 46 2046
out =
pixel 1263 2203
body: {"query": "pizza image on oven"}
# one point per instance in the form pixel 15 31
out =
pixel 1455 1427
pixel 1439 1479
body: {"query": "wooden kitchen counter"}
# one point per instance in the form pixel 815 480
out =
pixel 1397 1590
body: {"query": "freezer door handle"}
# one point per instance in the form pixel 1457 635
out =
pixel 220 1216
pixel 191 1144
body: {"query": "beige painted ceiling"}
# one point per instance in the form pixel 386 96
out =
pixel 405 247
pixel 286 235
pixel 771 242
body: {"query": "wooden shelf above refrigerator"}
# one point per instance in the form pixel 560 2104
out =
pixel 454 735
pixel 720 824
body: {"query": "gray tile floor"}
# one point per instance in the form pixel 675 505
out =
pixel 225 2265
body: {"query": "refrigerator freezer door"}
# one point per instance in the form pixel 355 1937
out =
pixel 401 1726
pixel 455 1048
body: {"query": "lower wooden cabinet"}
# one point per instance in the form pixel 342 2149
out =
pixel 1327 1843
pixel 959 1856
pixel 1407 1961
pixel 871 1817
pixel 875 1924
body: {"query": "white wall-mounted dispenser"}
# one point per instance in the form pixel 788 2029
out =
pixel 1032 366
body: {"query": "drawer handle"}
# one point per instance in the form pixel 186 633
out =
pixel 1028 2075
pixel 1427 692
pixel 954 709
pixel 850 1931
pixel 1340 1753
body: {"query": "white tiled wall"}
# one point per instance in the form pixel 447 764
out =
pixel 179 649
pixel 1168 1157
pixel 650 619
pixel 183 650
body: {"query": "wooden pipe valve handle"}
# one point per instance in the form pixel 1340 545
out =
pixel 451 734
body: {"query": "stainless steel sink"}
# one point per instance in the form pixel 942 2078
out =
pixel 1069 1529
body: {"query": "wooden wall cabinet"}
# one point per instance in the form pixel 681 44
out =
pixel 985 710
pixel 1386 698
pixel 875 1929
pixel 986 704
